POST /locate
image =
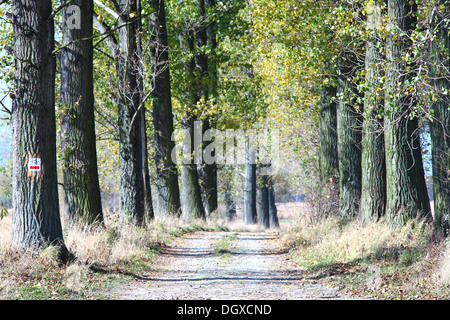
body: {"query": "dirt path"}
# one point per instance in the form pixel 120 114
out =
pixel 254 268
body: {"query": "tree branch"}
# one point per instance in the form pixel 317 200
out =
pixel 5 109
pixel 107 33
pixel 115 14
pixel 8 49
pixel 116 5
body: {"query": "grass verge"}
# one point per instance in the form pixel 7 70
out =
pixel 373 259
pixel 105 257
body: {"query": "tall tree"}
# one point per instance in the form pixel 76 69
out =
pixel 250 203
pixel 349 124
pixel 273 212
pixel 328 146
pixel 81 185
pixel 36 220
pixel 373 194
pixel 190 193
pixel 167 189
pixel 262 196
pixel 406 191
pixel 135 193
pixel 328 140
pixel 207 88
pixel 440 126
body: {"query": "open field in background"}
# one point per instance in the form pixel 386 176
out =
pixel 363 258
pixel 287 214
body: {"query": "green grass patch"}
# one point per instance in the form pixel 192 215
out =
pixel 222 245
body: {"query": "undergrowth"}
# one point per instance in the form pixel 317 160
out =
pixel 373 259
pixel 105 257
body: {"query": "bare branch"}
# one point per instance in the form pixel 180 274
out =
pixel 105 53
pixel 108 36
pixel 5 109
pixel 116 5
pixel 107 9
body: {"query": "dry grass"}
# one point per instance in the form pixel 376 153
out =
pixel 373 257
pixel 443 271
pixel 102 254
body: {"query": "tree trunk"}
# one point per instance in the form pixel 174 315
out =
pixel 131 145
pixel 440 126
pixel 328 140
pixel 250 212
pixel 142 120
pixel 373 196
pixel 81 185
pixel 406 191
pixel 207 172
pixel 142 123
pixel 211 32
pixel 230 206
pixel 273 215
pixel 191 197
pixel 263 201
pixel 36 220
pixel 212 91
pixel 166 180
pixel 349 138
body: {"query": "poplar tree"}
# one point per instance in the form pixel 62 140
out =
pixel 166 182
pixel 36 219
pixel 373 189
pixel 79 160
pixel 406 191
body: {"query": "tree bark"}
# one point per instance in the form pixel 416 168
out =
pixel 250 211
pixel 132 148
pixel 166 180
pixel 207 172
pixel 36 218
pixel 273 214
pixel 230 206
pixel 263 201
pixel 328 139
pixel 406 191
pixel 440 126
pixel 190 193
pixel 373 196
pixel 349 138
pixel 81 185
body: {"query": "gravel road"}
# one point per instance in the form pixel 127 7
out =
pixel 253 267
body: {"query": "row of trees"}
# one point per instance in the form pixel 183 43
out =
pixel 56 76
pixel 358 81
pixel 379 95
pixel 376 74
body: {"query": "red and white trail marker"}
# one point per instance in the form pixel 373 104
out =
pixel 34 164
